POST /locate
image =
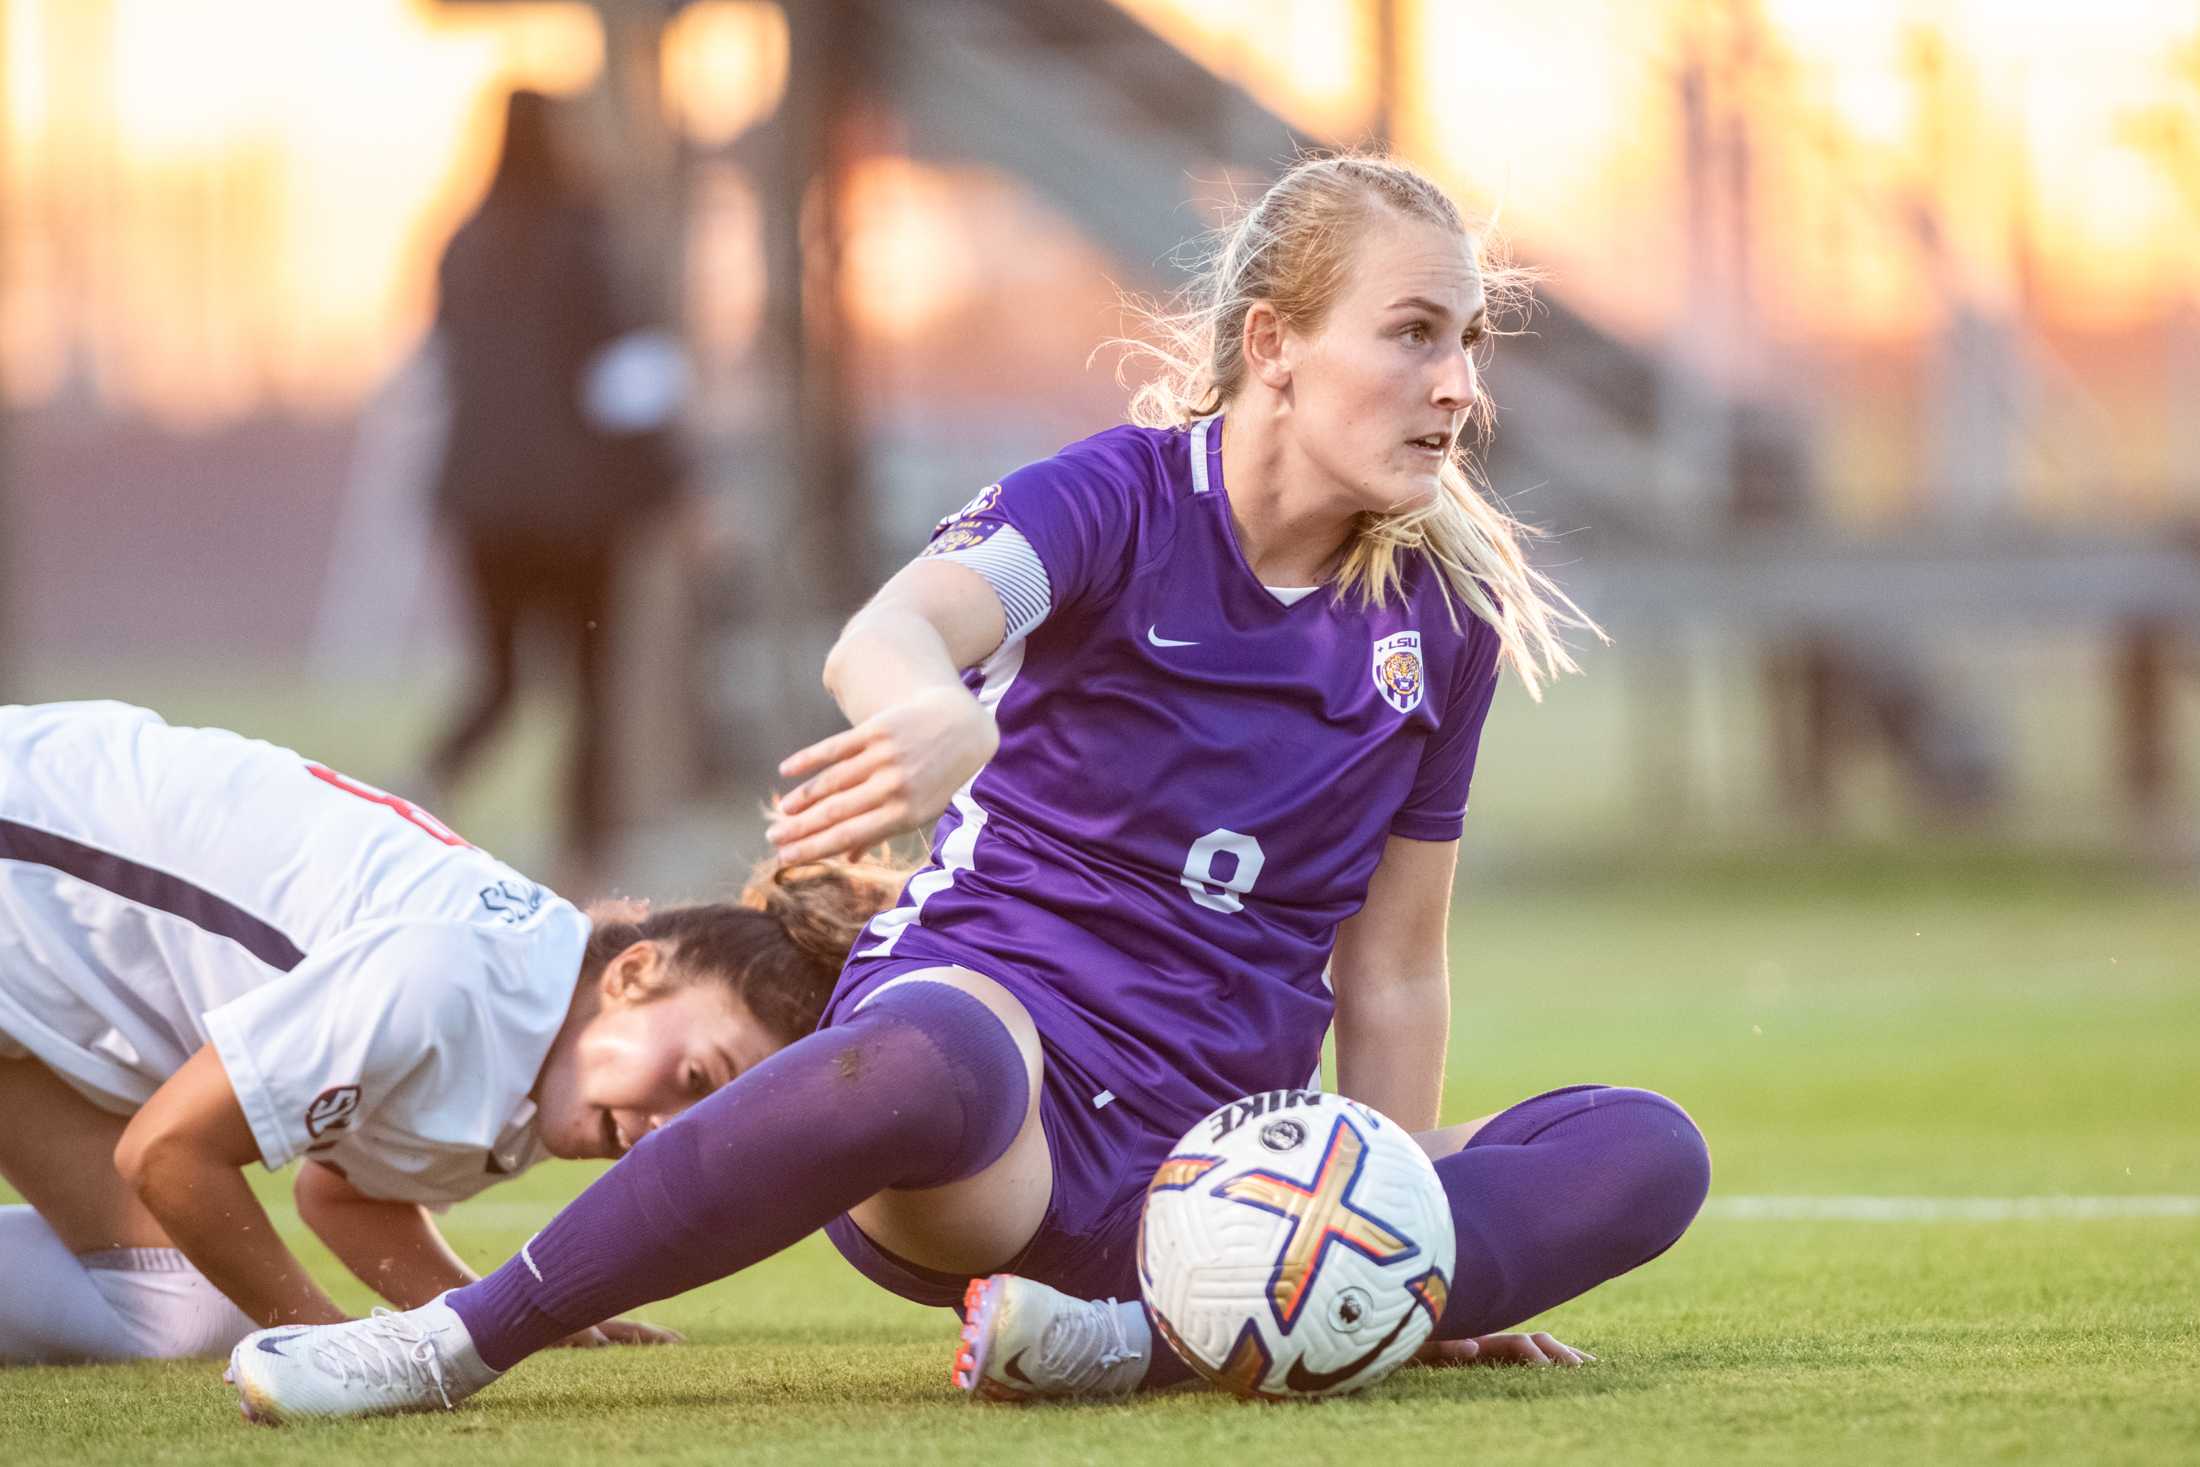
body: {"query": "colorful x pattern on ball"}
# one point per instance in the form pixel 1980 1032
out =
pixel 1321 1213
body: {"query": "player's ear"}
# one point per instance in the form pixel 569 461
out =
pixel 636 973
pixel 1266 351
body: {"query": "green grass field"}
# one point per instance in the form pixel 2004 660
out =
pixel 1993 1029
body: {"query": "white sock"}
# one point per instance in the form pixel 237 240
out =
pixel 168 1309
pixel 49 1311
pixel 121 1304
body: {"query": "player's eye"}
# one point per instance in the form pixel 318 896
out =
pixel 698 1083
pixel 1416 333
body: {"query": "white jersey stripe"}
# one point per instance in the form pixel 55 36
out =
pixel 959 851
pixel 1199 453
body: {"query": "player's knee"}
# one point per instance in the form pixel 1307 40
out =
pixel 1669 1165
pixel 962 1062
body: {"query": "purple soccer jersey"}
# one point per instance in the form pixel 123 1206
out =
pixel 1194 784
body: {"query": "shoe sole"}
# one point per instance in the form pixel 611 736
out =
pixel 255 1407
pixel 981 1305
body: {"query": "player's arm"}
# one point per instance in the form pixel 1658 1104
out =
pixel 916 733
pixel 184 1153
pixel 394 1248
pixel 1393 984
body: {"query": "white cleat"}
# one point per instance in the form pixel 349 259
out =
pixel 1024 1341
pixel 415 1360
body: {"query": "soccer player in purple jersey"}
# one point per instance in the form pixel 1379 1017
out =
pixel 1196 702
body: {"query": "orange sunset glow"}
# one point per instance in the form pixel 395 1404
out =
pixel 234 204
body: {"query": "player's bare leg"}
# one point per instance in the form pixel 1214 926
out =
pixel 57 1150
pixel 979 1223
pixel 91 1274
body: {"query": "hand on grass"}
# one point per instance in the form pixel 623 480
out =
pixel 635 1332
pixel 1536 1349
pixel 620 1332
pixel 892 772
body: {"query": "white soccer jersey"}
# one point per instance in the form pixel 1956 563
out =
pixel 381 994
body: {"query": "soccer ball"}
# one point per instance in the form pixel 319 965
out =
pixel 1295 1244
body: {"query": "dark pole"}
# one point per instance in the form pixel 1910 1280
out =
pixel 2145 652
pixel 805 321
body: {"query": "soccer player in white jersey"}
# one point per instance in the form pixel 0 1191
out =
pixel 1174 786
pixel 214 952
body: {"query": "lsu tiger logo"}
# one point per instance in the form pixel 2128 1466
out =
pixel 960 535
pixel 983 502
pixel 1398 670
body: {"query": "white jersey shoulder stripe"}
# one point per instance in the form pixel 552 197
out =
pixel 1013 569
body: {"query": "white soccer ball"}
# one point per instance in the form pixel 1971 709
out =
pixel 1295 1244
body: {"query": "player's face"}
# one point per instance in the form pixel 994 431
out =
pixel 1381 391
pixel 639 1062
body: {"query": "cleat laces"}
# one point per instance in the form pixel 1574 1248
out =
pixel 383 1350
pixel 1079 1346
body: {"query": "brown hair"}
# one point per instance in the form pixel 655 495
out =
pixel 779 947
pixel 1293 249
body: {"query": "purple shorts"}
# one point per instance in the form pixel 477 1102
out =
pixel 1103 1158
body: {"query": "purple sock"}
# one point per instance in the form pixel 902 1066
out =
pixel 1550 1199
pixel 1562 1192
pixel 921 1087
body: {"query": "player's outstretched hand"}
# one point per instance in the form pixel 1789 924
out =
pixel 621 1332
pixel 892 772
pixel 635 1332
pixel 1535 1349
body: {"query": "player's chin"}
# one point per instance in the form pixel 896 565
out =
pixel 1415 487
pixel 586 1136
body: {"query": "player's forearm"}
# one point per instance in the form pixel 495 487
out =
pixel 394 1248
pixel 210 1213
pixel 887 654
pixel 1390 1046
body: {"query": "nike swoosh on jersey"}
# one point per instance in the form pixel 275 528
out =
pixel 269 1342
pixel 1153 635
pixel 1299 1378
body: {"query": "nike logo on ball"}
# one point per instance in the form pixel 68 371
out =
pixel 1307 1381
pixel 269 1342
pixel 1153 635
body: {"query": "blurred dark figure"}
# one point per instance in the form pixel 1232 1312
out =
pixel 551 469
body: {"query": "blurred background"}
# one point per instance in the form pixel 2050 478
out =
pixel 1861 400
